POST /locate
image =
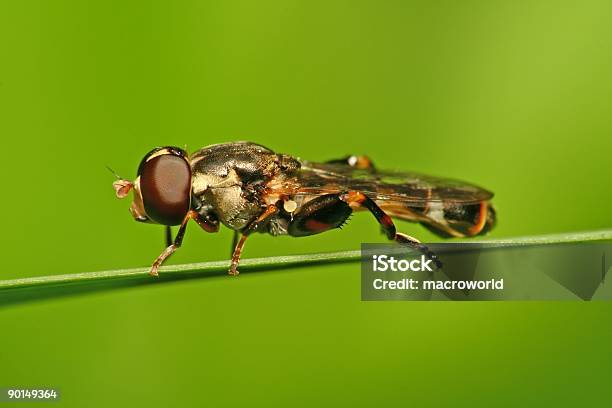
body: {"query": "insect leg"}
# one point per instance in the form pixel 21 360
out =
pixel 178 240
pixel 356 161
pixel 168 231
pixel 234 243
pixel 356 199
pixel 252 227
pixel 318 215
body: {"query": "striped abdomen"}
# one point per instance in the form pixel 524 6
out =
pixel 446 218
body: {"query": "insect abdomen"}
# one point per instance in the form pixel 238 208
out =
pixel 470 219
pixel 446 219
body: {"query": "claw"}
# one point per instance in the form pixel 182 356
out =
pixel 234 270
pixel 153 271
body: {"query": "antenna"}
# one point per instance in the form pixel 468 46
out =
pixel 113 171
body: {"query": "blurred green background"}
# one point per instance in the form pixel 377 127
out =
pixel 514 96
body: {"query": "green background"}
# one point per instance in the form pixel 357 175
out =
pixel 514 96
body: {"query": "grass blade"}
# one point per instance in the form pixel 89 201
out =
pixel 26 289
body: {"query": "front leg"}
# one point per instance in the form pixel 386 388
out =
pixel 207 224
pixel 168 235
pixel 252 227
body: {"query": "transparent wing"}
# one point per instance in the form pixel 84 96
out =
pixel 406 187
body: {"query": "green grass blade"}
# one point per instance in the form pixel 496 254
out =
pixel 184 270
pixel 26 289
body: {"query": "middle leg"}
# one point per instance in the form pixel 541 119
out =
pixel 252 227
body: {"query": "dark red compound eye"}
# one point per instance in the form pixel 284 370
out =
pixel 165 185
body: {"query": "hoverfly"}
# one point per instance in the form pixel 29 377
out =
pixel 249 188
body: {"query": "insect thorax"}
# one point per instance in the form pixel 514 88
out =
pixel 229 179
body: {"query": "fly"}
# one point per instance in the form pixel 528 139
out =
pixel 249 188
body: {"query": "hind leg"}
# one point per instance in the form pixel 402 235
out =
pixel 321 214
pixel 356 199
pixel 332 210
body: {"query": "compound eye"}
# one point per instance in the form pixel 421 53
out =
pixel 165 185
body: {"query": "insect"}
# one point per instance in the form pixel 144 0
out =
pixel 249 188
